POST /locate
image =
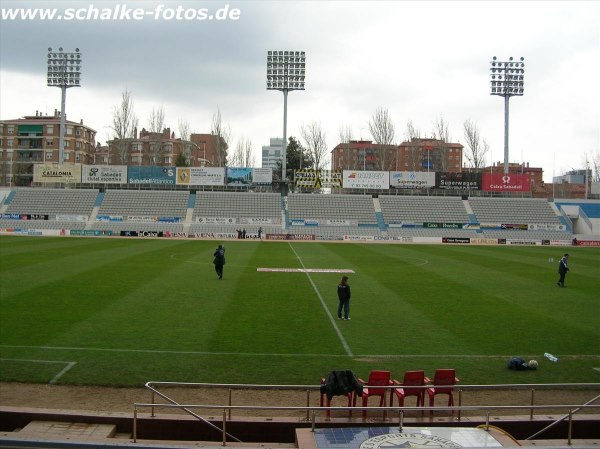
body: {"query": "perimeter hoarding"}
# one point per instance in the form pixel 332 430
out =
pixel 318 179
pixel 55 173
pixel 201 176
pixel 458 181
pixel 106 174
pixel 412 180
pixel 499 182
pixel 150 175
pixel 238 176
pixel 356 179
pixel 262 175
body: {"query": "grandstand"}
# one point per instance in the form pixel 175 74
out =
pixel 218 214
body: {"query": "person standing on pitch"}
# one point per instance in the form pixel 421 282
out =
pixel 219 260
pixel 343 292
pixel 562 270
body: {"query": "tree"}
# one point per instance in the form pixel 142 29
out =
pixel 243 155
pixel 184 129
pixel 181 161
pixel 315 143
pixel 296 158
pixel 595 166
pixel 412 134
pixel 478 148
pixel 124 126
pixel 156 138
pixel 441 132
pixel 383 133
pixel 222 134
pixel 345 136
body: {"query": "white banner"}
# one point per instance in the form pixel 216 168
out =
pixel 73 218
pixel 546 227
pixel 339 222
pixel 262 175
pixel 355 179
pixel 65 173
pixel 201 176
pixel 412 180
pixel 216 220
pixel 107 174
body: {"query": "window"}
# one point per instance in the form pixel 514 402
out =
pixel 49 129
pixel 49 155
pixel 78 132
pixel 49 142
pixel 67 143
pixel 167 160
pixel 69 130
pixel 77 145
pixel 136 159
pixel 9 143
pixel 77 156
pixel 10 129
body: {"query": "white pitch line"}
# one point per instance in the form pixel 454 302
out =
pixel 331 318
pixel 68 366
pixel 264 354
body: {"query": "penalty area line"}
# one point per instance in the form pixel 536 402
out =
pixel 61 373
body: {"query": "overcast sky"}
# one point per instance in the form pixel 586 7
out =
pixel 419 60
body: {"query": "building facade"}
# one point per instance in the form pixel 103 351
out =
pixel 163 149
pixel 35 139
pixel 273 153
pixel 415 155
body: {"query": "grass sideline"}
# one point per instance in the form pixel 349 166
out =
pixel 121 312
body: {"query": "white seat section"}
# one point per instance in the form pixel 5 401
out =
pixel 513 210
pixel 52 202
pixel 354 208
pixel 420 209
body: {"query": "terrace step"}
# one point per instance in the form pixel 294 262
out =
pixel 54 430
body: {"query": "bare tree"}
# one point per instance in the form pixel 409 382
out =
pixel 243 155
pixel 441 132
pixel 184 129
pixel 222 134
pixel 478 148
pixel 124 126
pixel 412 134
pixel 156 128
pixel 345 136
pixel 315 143
pixel 382 130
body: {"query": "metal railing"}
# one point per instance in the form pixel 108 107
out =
pixel 311 411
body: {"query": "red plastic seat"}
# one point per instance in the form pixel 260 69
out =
pixel 325 400
pixel 376 378
pixel 411 379
pixel 443 383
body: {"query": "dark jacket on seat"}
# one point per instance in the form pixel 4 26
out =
pixel 341 382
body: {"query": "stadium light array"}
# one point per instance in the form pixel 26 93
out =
pixel 285 72
pixel 507 80
pixel 64 71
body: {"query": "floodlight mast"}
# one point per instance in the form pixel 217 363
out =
pixel 285 72
pixel 64 71
pixel 507 81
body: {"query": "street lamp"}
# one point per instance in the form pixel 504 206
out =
pixel 285 72
pixel 507 81
pixel 64 71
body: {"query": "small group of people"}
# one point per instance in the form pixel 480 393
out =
pixel 242 235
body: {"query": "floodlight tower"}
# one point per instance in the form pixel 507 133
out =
pixel 507 81
pixel 285 72
pixel 64 71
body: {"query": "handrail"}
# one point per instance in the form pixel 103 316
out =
pixel 315 409
pixel 154 385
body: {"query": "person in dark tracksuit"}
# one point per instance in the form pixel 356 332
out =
pixel 343 292
pixel 219 260
pixel 562 270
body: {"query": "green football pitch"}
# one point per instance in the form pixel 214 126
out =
pixel 108 311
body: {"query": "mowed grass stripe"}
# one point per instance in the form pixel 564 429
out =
pixel 410 302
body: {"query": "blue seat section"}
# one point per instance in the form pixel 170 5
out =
pixel 99 199
pixel 192 201
pixel 592 210
pixel 380 221
pixel 10 197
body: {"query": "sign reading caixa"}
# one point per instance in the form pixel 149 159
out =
pixel 498 182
